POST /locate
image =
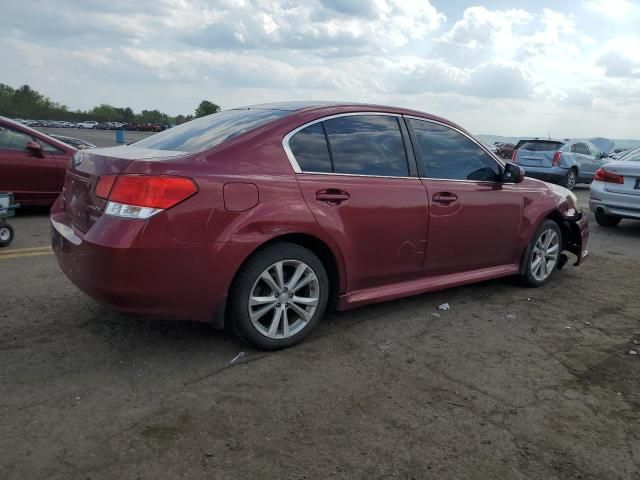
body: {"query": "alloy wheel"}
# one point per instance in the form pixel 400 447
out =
pixel 5 234
pixel 570 181
pixel 545 255
pixel 284 299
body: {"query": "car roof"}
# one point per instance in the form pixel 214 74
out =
pixel 322 108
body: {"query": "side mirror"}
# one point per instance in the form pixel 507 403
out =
pixel 512 173
pixel 35 148
pixel 604 155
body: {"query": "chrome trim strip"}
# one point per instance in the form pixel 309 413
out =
pixel 358 175
pixel 287 137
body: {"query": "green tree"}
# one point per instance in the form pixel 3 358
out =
pixel 206 108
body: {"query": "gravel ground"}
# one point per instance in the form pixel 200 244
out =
pixel 511 383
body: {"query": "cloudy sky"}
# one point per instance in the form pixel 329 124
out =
pixel 571 68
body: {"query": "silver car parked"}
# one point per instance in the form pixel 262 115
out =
pixel 615 191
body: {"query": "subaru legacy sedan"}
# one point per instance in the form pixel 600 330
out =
pixel 564 162
pixel 261 217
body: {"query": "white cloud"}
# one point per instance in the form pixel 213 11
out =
pixel 615 9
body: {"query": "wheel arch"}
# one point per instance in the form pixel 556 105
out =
pixel 330 258
pixel 557 217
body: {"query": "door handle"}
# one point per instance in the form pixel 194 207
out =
pixel 445 198
pixel 332 196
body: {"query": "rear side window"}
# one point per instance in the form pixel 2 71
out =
pixel 309 146
pixel 541 146
pixel 447 154
pixel 207 132
pixel 367 145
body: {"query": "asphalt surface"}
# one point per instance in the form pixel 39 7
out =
pixel 100 138
pixel 510 383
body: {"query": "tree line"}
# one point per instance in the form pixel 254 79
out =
pixel 27 103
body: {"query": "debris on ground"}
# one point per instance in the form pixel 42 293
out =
pixel 385 346
pixel 237 357
pixel 444 307
pixel 636 342
pixel 568 327
pixel 633 352
pixel 510 316
pixel 436 315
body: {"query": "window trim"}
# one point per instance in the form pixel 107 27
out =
pixel 411 161
pixel 419 153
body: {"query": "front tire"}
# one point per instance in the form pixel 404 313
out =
pixel 570 179
pixel 279 296
pixel 608 221
pixel 6 234
pixel 544 253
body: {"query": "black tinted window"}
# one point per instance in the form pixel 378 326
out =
pixel 206 132
pixel 309 146
pixel 541 146
pixel 367 145
pixel 450 155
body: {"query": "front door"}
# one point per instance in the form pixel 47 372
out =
pixel 474 220
pixel 31 177
pixel 355 178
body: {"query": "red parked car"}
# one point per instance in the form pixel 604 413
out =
pixel 32 164
pixel 264 216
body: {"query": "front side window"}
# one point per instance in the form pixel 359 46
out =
pixel 447 154
pixel 309 146
pixel 367 145
pixel 11 139
pixel 207 132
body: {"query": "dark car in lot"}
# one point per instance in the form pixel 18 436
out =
pixel 505 150
pixel 263 216
pixel 565 162
pixel 32 164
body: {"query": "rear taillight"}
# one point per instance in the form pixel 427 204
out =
pixel 513 156
pixel 141 196
pixel 603 176
pixel 556 159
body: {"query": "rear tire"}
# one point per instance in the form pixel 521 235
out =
pixel 278 296
pixel 6 234
pixel 608 221
pixel 570 179
pixel 543 254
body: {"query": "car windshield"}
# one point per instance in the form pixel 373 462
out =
pixel 541 146
pixel 207 132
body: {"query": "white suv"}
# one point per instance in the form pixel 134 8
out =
pixel 89 124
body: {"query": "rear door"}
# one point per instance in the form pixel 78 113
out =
pixel 32 177
pixel 474 220
pixel 582 155
pixel 355 176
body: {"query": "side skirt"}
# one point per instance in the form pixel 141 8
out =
pixel 422 285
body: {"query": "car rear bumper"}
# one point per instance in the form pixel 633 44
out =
pixel 547 174
pixel 136 267
pixel 611 203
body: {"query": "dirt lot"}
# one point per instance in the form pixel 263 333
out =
pixel 511 383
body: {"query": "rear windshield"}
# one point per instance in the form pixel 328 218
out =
pixel 207 132
pixel 541 146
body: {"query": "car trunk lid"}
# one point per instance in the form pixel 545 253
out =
pixel 630 171
pixel 80 201
pixel 537 153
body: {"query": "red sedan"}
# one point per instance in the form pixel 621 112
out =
pixel 262 217
pixel 32 164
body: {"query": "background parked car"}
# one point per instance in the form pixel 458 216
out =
pixel 505 150
pixel 87 124
pixel 74 142
pixel 32 164
pixel 615 191
pixel 559 161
